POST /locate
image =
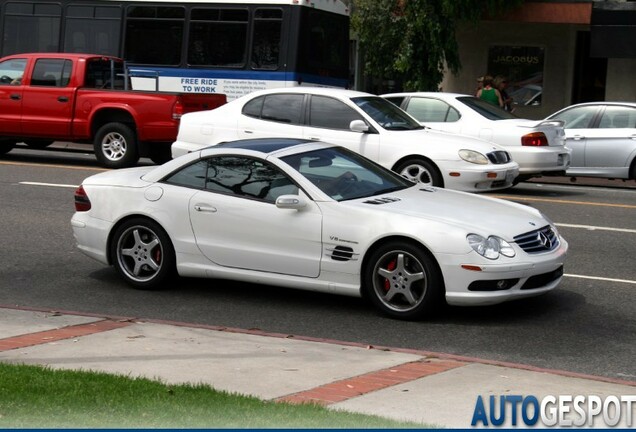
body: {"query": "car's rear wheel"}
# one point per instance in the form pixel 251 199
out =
pixel 402 281
pixel 143 254
pixel 420 171
pixel 115 146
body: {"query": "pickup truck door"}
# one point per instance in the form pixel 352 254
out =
pixel 11 90
pixel 47 101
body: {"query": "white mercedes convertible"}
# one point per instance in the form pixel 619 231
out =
pixel 309 215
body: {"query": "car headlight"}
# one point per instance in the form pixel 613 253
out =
pixel 472 156
pixel 490 247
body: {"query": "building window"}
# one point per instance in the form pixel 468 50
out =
pixel 522 67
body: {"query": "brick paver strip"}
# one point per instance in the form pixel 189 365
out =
pixel 352 387
pixel 54 335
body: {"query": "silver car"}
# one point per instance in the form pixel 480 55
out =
pixel 602 136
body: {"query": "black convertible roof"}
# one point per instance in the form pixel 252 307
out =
pixel 265 145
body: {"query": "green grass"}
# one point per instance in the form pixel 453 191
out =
pixel 39 397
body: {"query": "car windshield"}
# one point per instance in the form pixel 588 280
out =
pixel 345 175
pixel 486 109
pixel 386 114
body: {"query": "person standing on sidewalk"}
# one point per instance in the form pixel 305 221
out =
pixel 489 93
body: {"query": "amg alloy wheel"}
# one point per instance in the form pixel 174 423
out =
pixel 403 281
pixel 143 254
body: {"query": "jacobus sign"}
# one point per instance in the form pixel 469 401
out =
pixel 523 67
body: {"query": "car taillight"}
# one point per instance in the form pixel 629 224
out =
pixel 82 203
pixel 177 110
pixel 534 139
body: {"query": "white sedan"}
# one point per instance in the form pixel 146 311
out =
pixel 309 215
pixel 361 122
pixel 537 145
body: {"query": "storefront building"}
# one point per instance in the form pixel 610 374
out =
pixel 553 54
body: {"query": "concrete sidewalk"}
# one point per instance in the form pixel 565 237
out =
pixel 423 387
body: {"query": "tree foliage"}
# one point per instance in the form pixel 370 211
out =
pixel 414 40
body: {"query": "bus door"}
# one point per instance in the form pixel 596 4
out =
pixel 11 92
pixel 47 106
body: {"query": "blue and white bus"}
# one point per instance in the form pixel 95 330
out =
pixel 202 46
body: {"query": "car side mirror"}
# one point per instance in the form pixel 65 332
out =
pixel 358 126
pixel 294 202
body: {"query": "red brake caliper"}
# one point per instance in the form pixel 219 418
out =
pixel 158 256
pixel 390 267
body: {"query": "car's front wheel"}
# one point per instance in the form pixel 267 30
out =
pixel 403 281
pixel 420 171
pixel 143 253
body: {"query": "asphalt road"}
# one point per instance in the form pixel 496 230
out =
pixel 587 325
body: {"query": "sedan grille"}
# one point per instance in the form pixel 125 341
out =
pixel 499 157
pixel 542 240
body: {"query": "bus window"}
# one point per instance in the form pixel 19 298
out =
pixel 154 35
pixel 324 44
pixel 31 27
pixel 92 29
pixel 218 37
pixel 266 38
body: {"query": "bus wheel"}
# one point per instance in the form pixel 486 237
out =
pixel 115 146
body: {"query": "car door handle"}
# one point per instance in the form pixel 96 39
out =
pixel 15 96
pixel 62 99
pixel 248 131
pixel 204 208
pixel 578 137
pixel 314 138
pixel 633 137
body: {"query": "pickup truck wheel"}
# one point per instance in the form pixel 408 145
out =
pixel 6 147
pixel 115 146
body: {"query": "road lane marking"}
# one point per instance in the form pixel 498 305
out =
pixel 596 228
pixel 82 168
pixel 559 201
pixel 601 278
pixel 49 184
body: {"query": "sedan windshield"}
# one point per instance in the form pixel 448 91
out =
pixel 486 109
pixel 386 114
pixel 345 175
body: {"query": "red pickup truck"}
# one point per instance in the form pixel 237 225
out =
pixel 46 97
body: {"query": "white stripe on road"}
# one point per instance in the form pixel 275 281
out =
pixel 49 184
pixel 601 278
pixel 595 228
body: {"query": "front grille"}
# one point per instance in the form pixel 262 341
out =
pixel 542 280
pixel 499 157
pixel 537 241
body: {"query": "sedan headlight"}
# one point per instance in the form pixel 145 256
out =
pixel 472 156
pixel 490 247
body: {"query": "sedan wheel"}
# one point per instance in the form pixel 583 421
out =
pixel 402 281
pixel 143 254
pixel 420 171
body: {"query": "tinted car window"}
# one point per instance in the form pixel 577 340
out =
pixel 386 114
pixel 247 178
pixel 616 117
pixel 331 113
pixel 284 108
pixel 431 110
pixel 253 108
pixel 486 109
pixel 191 176
pixel 577 118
